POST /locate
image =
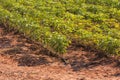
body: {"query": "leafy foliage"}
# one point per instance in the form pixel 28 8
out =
pixel 55 23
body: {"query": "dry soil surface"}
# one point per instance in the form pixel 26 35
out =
pixel 21 59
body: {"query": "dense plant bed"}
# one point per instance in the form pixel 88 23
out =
pixel 56 23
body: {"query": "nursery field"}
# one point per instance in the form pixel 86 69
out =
pixel 22 59
pixel 59 39
pixel 56 24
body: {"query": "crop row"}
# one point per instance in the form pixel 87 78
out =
pixel 53 41
pixel 61 25
pixel 56 23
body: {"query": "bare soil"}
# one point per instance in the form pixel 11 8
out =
pixel 21 59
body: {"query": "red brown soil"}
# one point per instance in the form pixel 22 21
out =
pixel 21 59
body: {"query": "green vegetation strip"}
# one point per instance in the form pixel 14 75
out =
pixel 53 41
pixel 55 23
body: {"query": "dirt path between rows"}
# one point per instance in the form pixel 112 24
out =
pixel 21 59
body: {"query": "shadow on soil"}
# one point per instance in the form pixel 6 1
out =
pixel 29 60
pixel 26 55
pixel 5 42
pixel 30 56
pixel 86 60
pixel 22 50
pixel 24 58
pixel 117 74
